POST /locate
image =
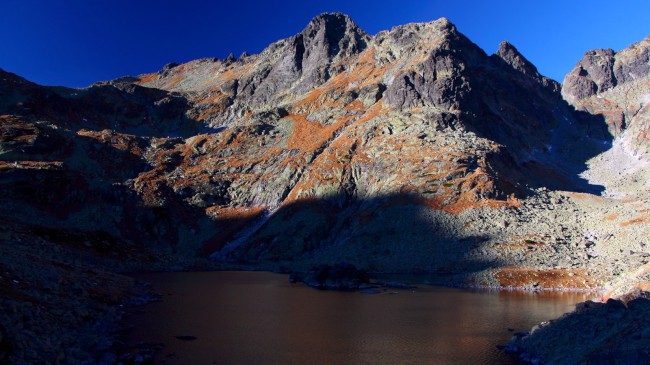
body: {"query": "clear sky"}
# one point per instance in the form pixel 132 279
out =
pixel 77 42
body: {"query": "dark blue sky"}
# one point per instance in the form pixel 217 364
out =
pixel 77 42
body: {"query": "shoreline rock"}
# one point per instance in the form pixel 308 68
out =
pixel 342 276
pixel 611 332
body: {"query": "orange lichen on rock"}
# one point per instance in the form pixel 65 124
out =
pixel 458 206
pixel 147 78
pixel 638 220
pixel 310 136
pixel 229 221
pixel 525 242
pixel 546 278
pixel 470 192
pixel 234 213
pixel 585 197
pixel 120 141
pixel 33 165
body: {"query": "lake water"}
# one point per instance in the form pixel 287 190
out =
pixel 260 318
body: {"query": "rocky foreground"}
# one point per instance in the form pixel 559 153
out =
pixel 611 332
pixel 62 296
pixel 410 151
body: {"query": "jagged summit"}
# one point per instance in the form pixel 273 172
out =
pixel 602 69
pixel 337 31
pixel 514 58
pixel 330 19
pixel 425 34
pixel 509 54
pixel 615 85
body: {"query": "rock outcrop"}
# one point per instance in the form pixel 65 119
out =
pixel 333 277
pixel 602 69
pixel 614 332
pixel 614 84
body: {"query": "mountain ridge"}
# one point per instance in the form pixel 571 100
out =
pixel 369 99
pixel 410 151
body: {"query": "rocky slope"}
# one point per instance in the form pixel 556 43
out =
pixel 622 98
pixel 410 151
pixel 415 123
pixel 613 332
pixel 616 86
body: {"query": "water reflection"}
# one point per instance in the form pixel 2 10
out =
pixel 259 318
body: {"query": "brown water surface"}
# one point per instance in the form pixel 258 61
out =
pixel 260 318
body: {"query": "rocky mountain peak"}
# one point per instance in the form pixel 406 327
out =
pixel 508 53
pixel 328 37
pixel 429 34
pixel 311 57
pixel 594 73
pixel 600 70
pixel 332 28
pixel 614 85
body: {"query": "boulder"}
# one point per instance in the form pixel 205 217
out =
pixel 333 277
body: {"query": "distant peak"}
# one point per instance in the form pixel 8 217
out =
pixel 338 21
pixel 445 23
pixel 431 31
pixel 337 31
pixel 505 47
pixel 330 19
pixel 331 16
pixel 511 55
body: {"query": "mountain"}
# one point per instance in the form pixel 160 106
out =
pixel 615 86
pixel 410 151
pixel 326 146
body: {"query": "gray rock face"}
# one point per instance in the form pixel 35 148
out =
pixel 593 74
pixel 508 53
pixel 602 69
pixel 327 38
pixel 512 57
pixel 310 57
pixel 457 75
pixel 633 63
pixel 442 79
pixel 614 86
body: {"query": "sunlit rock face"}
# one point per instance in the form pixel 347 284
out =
pixel 408 151
pixel 615 85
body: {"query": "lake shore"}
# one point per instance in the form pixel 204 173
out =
pixel 56 297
